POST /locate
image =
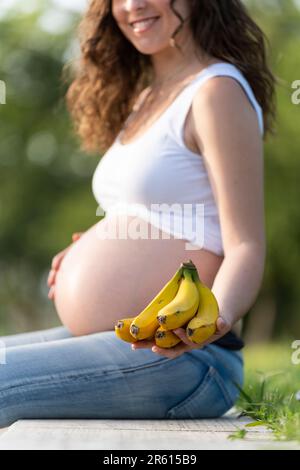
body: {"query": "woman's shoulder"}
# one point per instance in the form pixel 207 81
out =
pixel 224 97
pixel 219 87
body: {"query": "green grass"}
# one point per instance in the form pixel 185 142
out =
pixel 269 393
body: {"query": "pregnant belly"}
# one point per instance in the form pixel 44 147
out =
pixel 102 279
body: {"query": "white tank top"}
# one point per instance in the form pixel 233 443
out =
pixel 157 178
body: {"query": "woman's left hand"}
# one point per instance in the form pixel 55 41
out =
pixel 185 345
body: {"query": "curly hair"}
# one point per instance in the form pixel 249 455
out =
pixel 110 72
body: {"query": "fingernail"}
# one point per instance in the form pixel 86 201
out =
pixel 133 347
pixel 154 349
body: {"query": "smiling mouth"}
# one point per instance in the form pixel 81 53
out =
pixel 144 25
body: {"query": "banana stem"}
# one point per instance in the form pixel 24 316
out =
pixel 188 264
pixel 187 273
pixel 192 269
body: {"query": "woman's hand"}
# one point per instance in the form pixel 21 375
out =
pixel 223 326
pixel 56 262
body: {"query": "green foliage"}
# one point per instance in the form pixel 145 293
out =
pixel 271 396
pixel 280 21
pixel 239 434
pixel 45 180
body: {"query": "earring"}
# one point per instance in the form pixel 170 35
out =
pixel 172 42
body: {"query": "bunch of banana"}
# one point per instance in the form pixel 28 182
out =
pixel 183 302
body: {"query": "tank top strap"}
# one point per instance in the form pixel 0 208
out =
pixel 183 101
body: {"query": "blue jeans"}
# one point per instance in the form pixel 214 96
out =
pixel 52 374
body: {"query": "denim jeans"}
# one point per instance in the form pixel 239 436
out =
pixel 52 374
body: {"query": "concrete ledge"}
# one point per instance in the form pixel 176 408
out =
pixel 137 434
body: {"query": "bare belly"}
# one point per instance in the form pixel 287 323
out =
pixel 102 279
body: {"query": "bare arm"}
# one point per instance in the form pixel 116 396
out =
pixel 227 131
pixel 238 281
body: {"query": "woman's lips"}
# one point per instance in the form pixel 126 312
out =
pixel 144 26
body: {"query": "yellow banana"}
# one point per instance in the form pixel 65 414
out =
pixel 183 307
pixel 122 330
pixel 203 324
pixel 145 324
pixel 165 338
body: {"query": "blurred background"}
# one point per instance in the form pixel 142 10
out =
pixel 45 181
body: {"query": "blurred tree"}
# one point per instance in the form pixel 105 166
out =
pixel 45 181
pixel 279 299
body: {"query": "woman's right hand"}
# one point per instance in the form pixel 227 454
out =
pixel 56 262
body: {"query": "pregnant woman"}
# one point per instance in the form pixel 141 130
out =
pixel 177 97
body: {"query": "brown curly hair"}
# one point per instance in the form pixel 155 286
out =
pixel 110 72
